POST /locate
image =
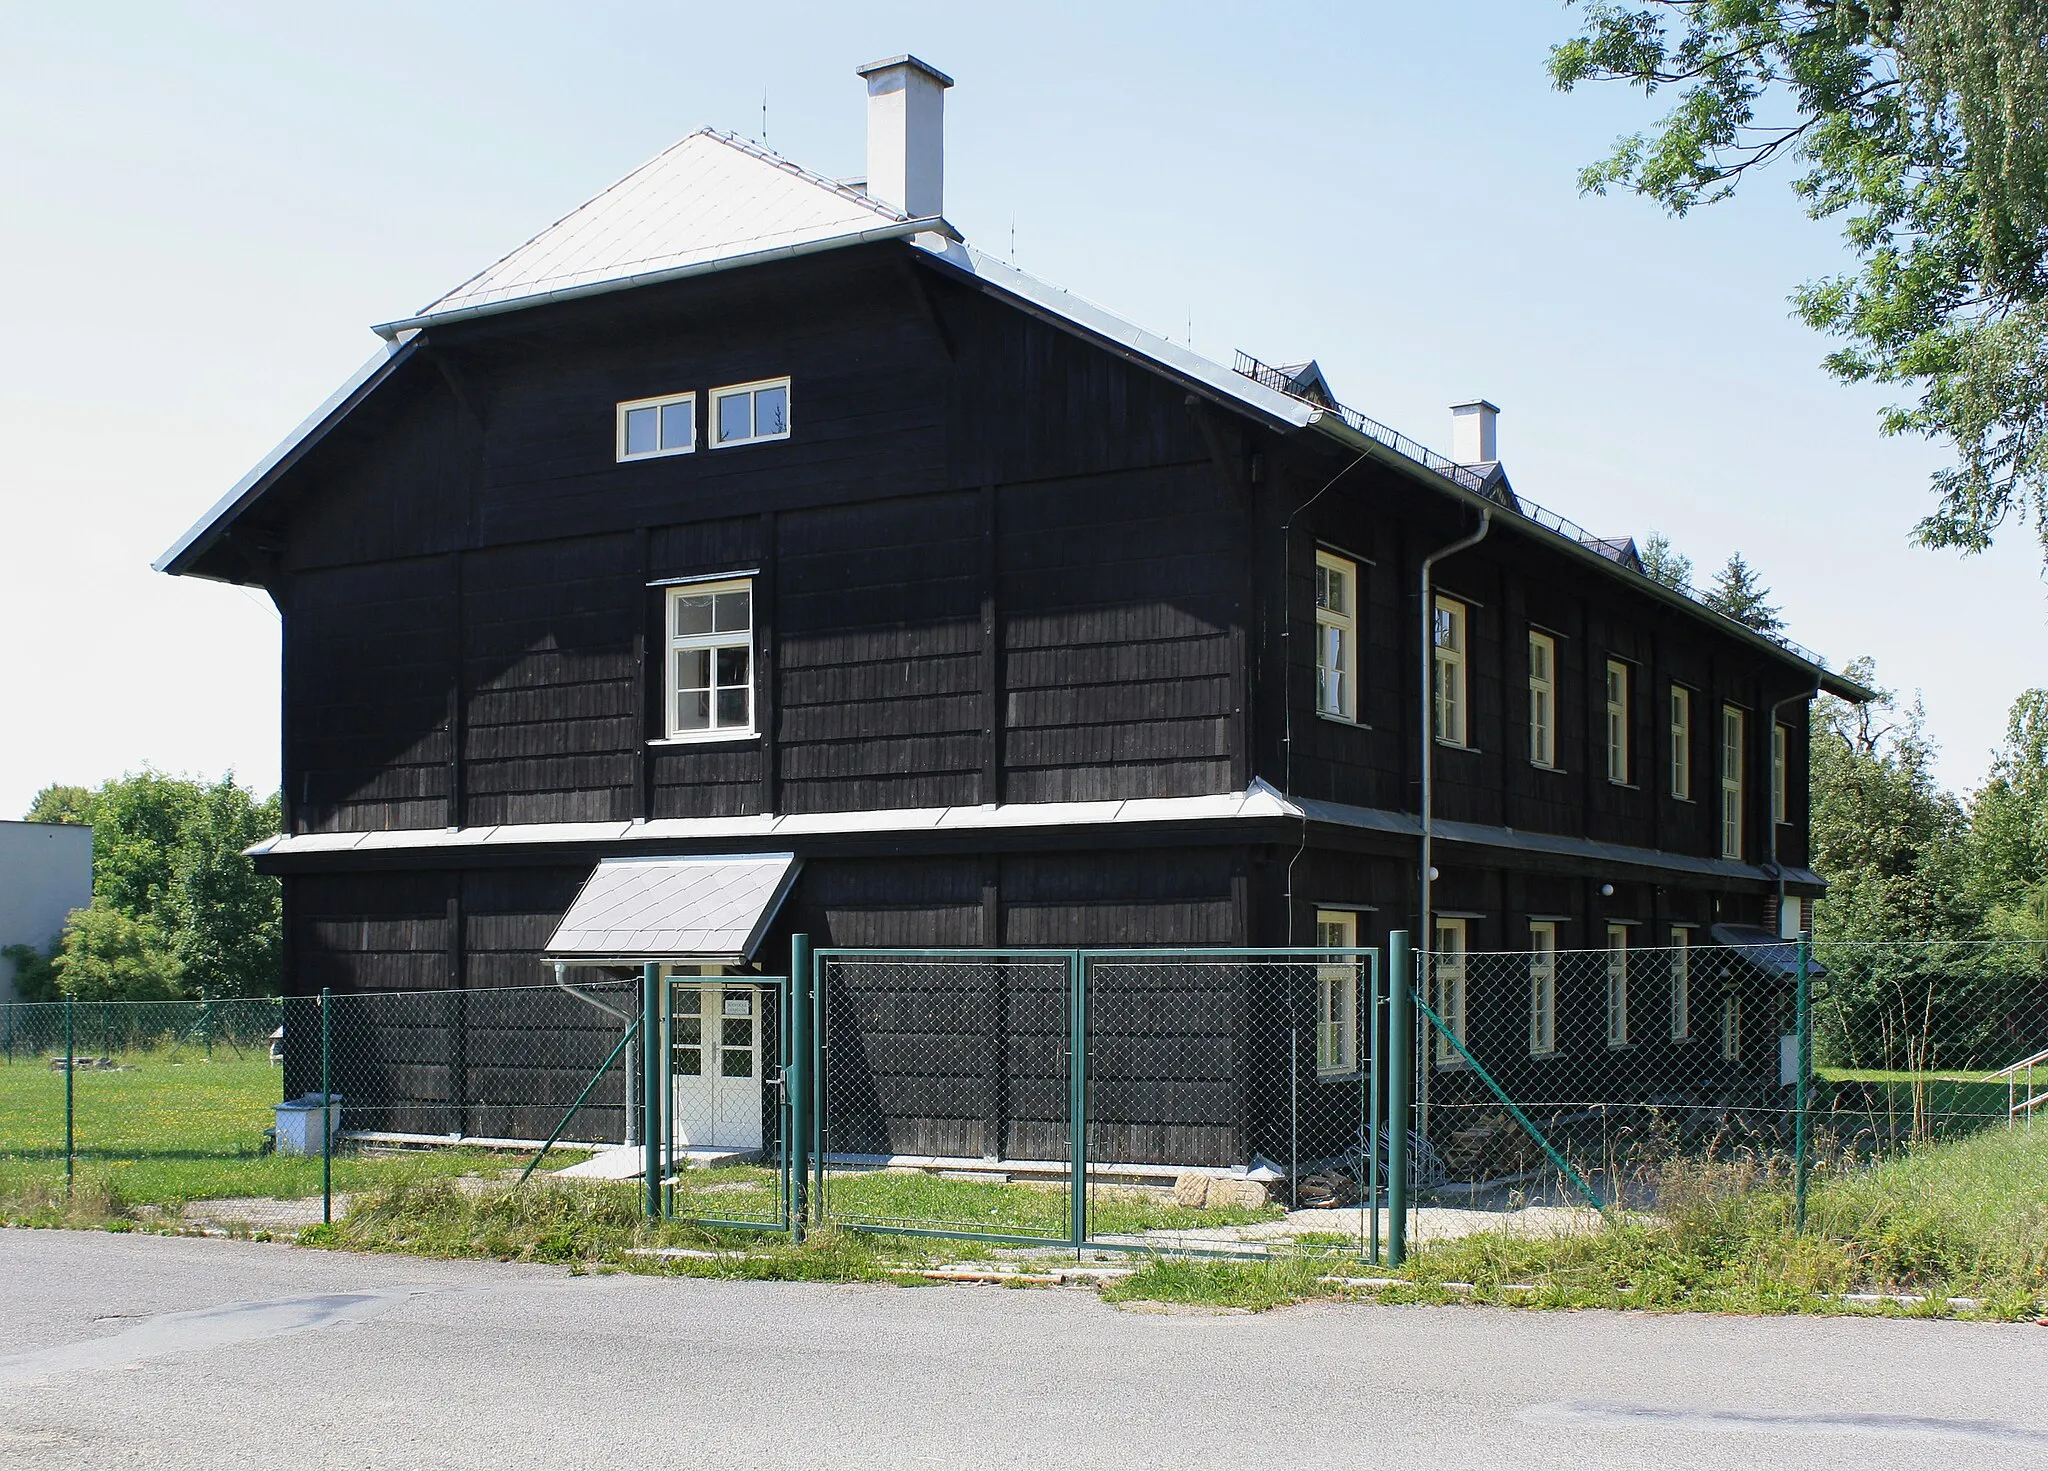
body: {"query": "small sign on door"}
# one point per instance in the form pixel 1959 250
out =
pixel 739 1004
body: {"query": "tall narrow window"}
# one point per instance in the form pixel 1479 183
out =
pixel 1681 743
pixel 1336 636
pixel 1781 769
pixel 1731 782
pixel 649 428
pixel 1542 699
pixel 1681 982
pixel 1337 994
pixel 1617 985
pixel 1731 1028
pixel 748 413
pixel 1617 721
pixel 1447 976
pixel 1542 987
pixel 1450 671
pixel 711 660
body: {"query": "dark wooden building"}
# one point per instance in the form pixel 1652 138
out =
pixel 745 512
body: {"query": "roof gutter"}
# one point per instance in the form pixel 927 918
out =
pixel 893 230
pixel 1824 679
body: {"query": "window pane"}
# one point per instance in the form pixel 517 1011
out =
pixel 693 710
pixel 732 708
pixel 734 611
pixel 688 1003
pixel 640 431
pixel 732 666
pixel 693 613
pixel 736 1062
pixel 693 669
pixel 678 423
pixel 736 1031
pixel 735 417
pixel 771 411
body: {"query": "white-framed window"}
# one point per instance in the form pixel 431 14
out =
pixel 1781 769
pixel 649 428
pixel 1542 699
pixel 1337 995
pixel 1617 721
pixel 1336 636
pixel 1681 982
pixel 1542 987
pixel 1449 626
pixel 1681 743
pixel 1731 782
pixel 1447 986
pixel 710 658
pixel 1617 985
pixel 1731 1028
pixel 748 413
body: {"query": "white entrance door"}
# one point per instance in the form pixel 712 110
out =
pixel 715 1058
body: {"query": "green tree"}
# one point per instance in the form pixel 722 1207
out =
pixel 110 956
pixel 1922 127
pixel 2009 820
pixel 1740 593
pixel 168 859
pixel 61 804
pixel 1665 563
pixel 35 974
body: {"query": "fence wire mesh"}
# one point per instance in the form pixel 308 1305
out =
pixel 1632 1076
pixel 945 1092
pixel 209 1114
pixel 1244 1084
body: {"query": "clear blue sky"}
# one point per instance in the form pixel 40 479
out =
pixel 206 207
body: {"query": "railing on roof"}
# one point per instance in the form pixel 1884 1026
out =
pixel 1479 483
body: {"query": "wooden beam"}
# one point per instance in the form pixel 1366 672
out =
pixel 991 655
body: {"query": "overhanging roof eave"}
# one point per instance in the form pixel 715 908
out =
pixel 208 529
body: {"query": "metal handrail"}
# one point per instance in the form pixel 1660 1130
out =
pixel 1468 478
pixel 2037 1060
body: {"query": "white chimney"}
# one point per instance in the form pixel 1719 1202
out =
pixel 1472 437
pixel 907 135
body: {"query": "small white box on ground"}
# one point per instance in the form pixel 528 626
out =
pixel 300 1123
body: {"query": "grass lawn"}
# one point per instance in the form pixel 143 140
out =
pixel 174 1126
pixel 1954 1102
pixel 914 1199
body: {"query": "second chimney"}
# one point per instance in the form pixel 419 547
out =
pixel 907 135
pixel 1472 437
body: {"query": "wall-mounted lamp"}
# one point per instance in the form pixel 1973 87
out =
pixel 1434 875
pixel 1607 891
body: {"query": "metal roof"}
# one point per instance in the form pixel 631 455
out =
pixel 641 909
pixel 716 201
pixel 712 196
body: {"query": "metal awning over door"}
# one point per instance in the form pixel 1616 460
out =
pixel 634 910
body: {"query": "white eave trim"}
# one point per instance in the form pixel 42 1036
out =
pixel 888 230
pixel 1259 803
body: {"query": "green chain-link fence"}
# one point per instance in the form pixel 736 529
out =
pixel 1625 1075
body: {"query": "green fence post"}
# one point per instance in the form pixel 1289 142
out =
pixel 1372 1113
pixel 326 1111
pixel 1400 1056
pixel 1077 1099
pixel 650 1084
pixel 797 1077
pixel 1802 1067
pixel 70 1089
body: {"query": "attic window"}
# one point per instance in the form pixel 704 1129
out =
pixel 748 413
pixel 652 427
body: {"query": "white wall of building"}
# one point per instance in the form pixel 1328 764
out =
pixel 45 873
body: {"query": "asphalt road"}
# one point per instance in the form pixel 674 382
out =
pixel 146 1351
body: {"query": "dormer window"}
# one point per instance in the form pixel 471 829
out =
pixel 748 413
pixel 649 428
